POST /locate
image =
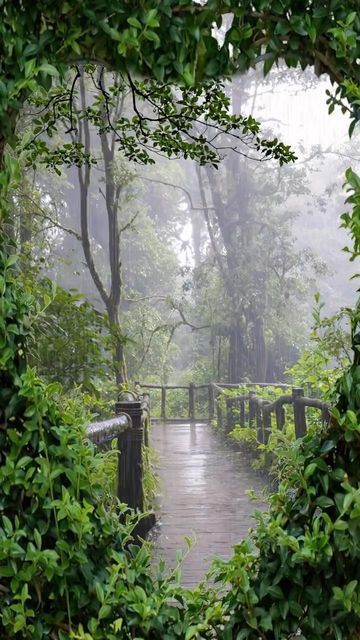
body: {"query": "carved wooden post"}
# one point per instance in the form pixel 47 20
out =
pixel 242 413
pixel 230 418
pixel 163 403
pixel 211 393
pixel 219 411
pixel 325 415
pixel 191 401
pixel 259 422
pixel 130 469
pixel 280 416
pixel 266 423
pixel 299 413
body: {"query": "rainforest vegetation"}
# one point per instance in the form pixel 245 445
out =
pixel 164 219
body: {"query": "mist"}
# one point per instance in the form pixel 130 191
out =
pixel 209 273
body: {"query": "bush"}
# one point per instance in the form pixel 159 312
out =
pixel 304 579
pixel 67 566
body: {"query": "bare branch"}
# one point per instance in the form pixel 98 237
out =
pixel 177 186
pixel 39 212
pixel 186 322
pixel 71 101
pixel 144 298
pixel 128 224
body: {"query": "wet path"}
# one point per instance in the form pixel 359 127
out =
pixel 203 486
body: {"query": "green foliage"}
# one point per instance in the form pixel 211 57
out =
pixel 150 458
pixel 150 350
pixel 304 577
pixel 326 356
pixel 174 42
pixel 47 472
pixel 65 565
pixel 351 221
pixel 324 35
pixel 275 453
pixel 158 116
pixel 177 403
pixel 70 341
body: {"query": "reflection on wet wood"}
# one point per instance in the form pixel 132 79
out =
pixel 203 486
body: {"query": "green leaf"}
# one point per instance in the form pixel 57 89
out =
pixel 191 632
pixel 11 260
pixel 152 36
pixel 275 592
pixel 38 539
pixel 134 22
pixel 31 49
pixel 7 524
pixel 105 610
pixel 348 500
pixel 30 67
pixel 312 32
pixel 49 69
pixel 309 470
pixel 327 445
pixel 99 592
pixel 150 17
pixel 324 502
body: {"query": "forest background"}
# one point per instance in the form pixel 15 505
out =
pixel 179 273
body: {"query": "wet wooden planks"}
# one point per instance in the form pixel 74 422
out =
pixel 203 484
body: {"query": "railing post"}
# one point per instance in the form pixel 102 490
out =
pixel 130 468
pixel 242 413
pixel 259 422
pixel 280 416
pixel 230 418
pixel 266 423
pixel 163 403
pixel 211 393
pixel 252 408
pixel 325 415
pixel 191 401
pixel 219 412
pixel 299 413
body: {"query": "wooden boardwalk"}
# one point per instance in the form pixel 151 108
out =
pixel 203 484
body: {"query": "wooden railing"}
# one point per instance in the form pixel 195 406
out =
pixel 256 412
pixel 130 428
pixel 248 409
pixel 192 390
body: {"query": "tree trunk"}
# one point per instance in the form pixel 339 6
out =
pixel 119 362
pixel 260 351
pixel 110 296
pixel 237 367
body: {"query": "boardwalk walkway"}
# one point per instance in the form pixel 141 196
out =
pixel 203 486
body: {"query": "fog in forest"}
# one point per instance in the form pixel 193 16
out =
pixel 208 274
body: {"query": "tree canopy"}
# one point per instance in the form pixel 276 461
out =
pixel 175 41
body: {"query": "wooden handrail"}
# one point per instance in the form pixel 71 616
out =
pixel 277 385
pixel 106 430
pixel 260 409
pixel 131 430
pixel 213 388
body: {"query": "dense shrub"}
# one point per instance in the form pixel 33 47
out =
pixel 66 566
pixel 304 577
